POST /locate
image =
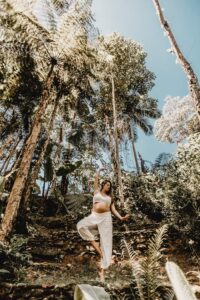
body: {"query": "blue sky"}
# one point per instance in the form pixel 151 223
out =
pixel 137 19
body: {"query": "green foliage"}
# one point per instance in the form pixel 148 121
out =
pixel 68 168
pixel 125 60
pixel 2 183
pixel 188 161
pixel 142 197
pixel 13 258
pixel 170 191
pixel 162 160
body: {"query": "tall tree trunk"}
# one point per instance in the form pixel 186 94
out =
pixel 111 146
pixel 191 76
pixel 134 150
pixel 56 162
pixel 135 157
pixel 32 179
pixel 22 174
pixel 119 174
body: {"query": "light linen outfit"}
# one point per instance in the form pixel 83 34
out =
pixel 99 224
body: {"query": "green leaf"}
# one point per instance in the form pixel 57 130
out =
pixel 69 168
pixel 89 292
pixel 3 271
pixel 179 282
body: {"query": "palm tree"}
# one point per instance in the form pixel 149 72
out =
pixel 125 60
pixel 52 66
pixel 142 109
pixel 117 159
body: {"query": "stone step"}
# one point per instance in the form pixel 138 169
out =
pixel 49 222
pixel 58 292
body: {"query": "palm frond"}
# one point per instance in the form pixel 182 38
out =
pixel 162 159
pixel 143 124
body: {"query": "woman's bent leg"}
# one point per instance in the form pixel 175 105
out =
pixel 87 229
pixel 97 248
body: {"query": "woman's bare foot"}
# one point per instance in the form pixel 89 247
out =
pixel 113 260
pixel 100 271
pixel 101 275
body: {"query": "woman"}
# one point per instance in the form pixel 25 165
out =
pixel 99 222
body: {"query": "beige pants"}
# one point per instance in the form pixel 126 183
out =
pixel 97 224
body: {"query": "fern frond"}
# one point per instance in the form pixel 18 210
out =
pixel 169 295
pixel 156 241
pixel 136 269
pixel 150 265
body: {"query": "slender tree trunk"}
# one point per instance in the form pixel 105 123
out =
pixel 16 161
pixel 6 159
pixel 191 76
pixel 56 161
pixel 32 179
pixel 6 144
pixel 119 174
pixel 47 191
pixel 19 158
pixel 135 157
pixel 142 163
pixel 3 170
pixel 43 188
pixel 111 146
pixel 134 150
pixel 18 186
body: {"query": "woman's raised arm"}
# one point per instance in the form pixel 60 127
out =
pixel 96 181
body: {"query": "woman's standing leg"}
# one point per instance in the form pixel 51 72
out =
pixel 106 242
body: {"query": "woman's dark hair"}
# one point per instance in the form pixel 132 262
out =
pixel 103 183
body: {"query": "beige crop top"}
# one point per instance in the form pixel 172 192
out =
pixel 98 197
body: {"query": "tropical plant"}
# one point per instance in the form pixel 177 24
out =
pixel 188 160
pixel 59 66
pixel 14 257
pixel 146 274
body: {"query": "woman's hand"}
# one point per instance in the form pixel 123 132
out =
pixel 98 172
pixel 125 217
